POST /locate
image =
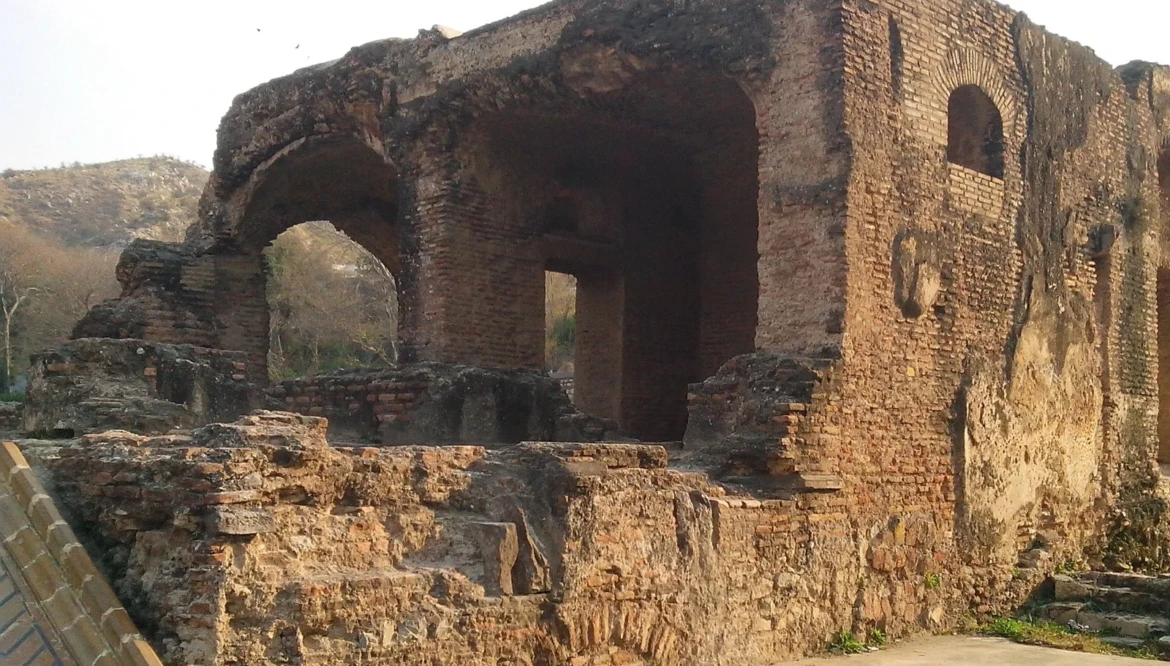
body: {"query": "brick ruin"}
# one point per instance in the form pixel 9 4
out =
pixel 873 331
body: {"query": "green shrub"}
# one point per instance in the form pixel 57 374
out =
pixel 846 643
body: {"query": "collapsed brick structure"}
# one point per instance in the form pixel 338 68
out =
pixel 90 385
pixel 895 274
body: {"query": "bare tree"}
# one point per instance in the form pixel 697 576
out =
pixel 45 288
pixel 19 271
pixel 560 320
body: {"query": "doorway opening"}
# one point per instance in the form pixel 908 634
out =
pixel 560 327
pixel 332 304
pixel 311 284
pixel 650 201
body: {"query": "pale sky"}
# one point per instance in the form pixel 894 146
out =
pixel 98 80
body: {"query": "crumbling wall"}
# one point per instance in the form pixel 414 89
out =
pixel 955 383
pixel 432 403
pixel 172 295
pixel 11 416
pixel 257 542
pixel 760 421
pixel 97 384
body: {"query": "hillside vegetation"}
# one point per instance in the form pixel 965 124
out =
pixel 332 304
pixel 105 205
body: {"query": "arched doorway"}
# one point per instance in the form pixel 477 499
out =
pixel 335 184
pixel 332 304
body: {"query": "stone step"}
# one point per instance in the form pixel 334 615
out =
pixel 1147 595
pixel 1124 642
pixel 1155 585
pixel 1129 625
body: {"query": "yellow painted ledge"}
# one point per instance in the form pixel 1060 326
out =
pixel 58 584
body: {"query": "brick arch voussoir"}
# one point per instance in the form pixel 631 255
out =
pixel 229 225
pixel 967 68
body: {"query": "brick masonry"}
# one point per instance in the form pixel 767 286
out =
pixel 96 384
pixel 885 367
pixel 432 403
pixel 11 416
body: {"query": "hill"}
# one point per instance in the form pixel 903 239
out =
pixel 105 205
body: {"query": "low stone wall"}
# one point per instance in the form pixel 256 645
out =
pixel 434 403
pixel 11 416
pixel 257 542
pixel 96 384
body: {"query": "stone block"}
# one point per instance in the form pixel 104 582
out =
pixel 532 574
pixel 1061 612
pixel 239 521
pixel 1066 588
pixel 499 547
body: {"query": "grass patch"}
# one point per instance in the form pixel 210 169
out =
pixel 846 643
pixel 1049 634
pixel 11 397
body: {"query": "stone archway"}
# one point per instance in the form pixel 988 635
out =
pixel 339 179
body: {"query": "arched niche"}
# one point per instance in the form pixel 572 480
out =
pixel 975 131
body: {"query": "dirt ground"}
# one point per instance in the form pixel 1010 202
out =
pixel 977 651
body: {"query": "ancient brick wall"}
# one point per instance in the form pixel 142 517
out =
pixel 802 167
pixel 11 416
pixel 432 403
pixel 970 322
pixel 948 384
pixel 98 384
pixel 170 295
pixel 286 548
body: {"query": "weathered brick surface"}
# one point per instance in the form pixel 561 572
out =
pixel 11 416
pixel 96 384
pixel 435 403
pixel 170 295
pixel 888 269
pixel 386 555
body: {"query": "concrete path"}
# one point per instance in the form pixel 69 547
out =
pixel 977 651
